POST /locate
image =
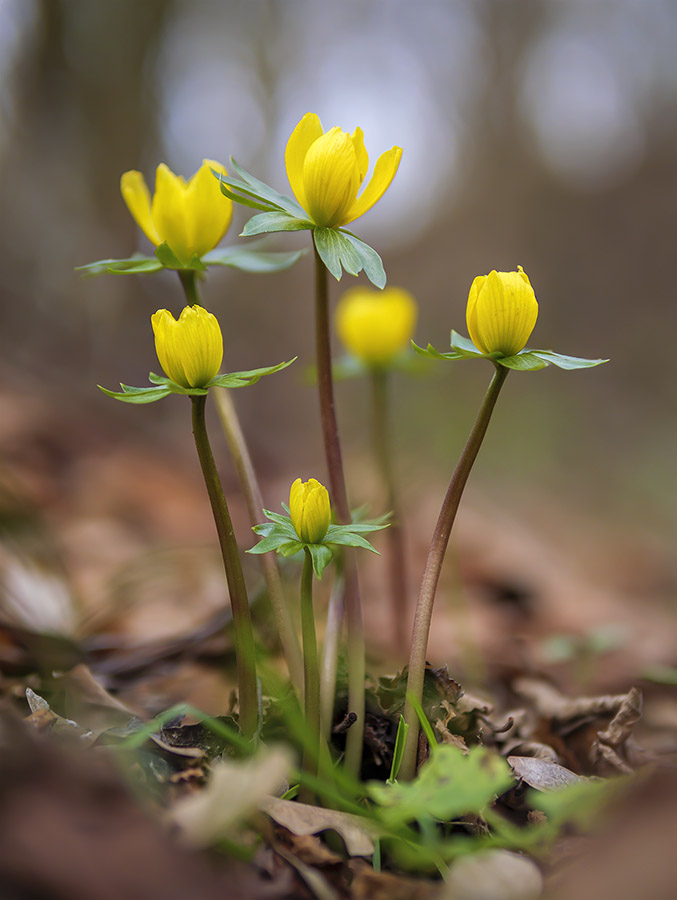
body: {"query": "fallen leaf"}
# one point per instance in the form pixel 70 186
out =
pixel 301 818
pixel 493 875
pixel 542 774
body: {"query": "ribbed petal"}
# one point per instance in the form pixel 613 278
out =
pixel 306 133
pixel 376 325
pixel 169 212
pixel 136 195
pixel 190 350
pixel 331 178
pixel 506 310
pixel 208 212
pixel 361 152
pixel 384 172
pixel 297 495
pixel 471 312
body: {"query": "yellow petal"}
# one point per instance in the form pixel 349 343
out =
pixel 136 195
pixel 309 510
pixel 384 172
pixel 375 326
pixel 208 212
pixel 169 212
pixel 306 133
pixel 471 312
pixel 190 350
pixel 331 178
pixel 361 152
pixel 505 312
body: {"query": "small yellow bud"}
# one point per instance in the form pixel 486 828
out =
pixel 326 170
pixel 309 510
pixel 190 216
pixel 190 350
pixel 502 311
pixel 376 325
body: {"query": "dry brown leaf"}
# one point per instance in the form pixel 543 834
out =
pixel 301 818
pixel 542 774
pixel 493 875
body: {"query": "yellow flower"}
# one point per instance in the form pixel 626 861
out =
pixel 191 216
pixel 502 311
pixel 190 350
pixel 376 325
pixel 326 170
pixel 309 510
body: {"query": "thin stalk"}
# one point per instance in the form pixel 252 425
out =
pixel 397 565
pixel 337 487
pixel 433 567
pixel 251 492
pixel 311 669
pixel 329 660
pixel 242 623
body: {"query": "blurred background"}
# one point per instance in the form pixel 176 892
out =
pixel 535 132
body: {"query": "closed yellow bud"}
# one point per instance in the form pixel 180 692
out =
pixel 190 350
pixel 376 325
pixel 309 510
pixel 190 216
pixel 326 170
pixel 502 311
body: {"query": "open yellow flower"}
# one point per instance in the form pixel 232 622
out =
pixel 376 325
pixel 190 350
pixel 326 170
pixel 502 311
pixel 190 216
pixel 309 510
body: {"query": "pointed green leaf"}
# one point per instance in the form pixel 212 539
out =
pixel 370 260
pixel 321 556
pixel 432 353
pixel 522 362
pixel 276 220
pixel 463 345
pixel 137 395
pixel 336 252
pixel 350 539
pixel 566 362
pixel 291 548
pixel 232 192
pixel 249 259
pixel 167 257
pixel 134 265
pixel 271 542
pixel 251 376
pixel 268 193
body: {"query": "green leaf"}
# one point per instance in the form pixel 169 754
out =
pixel 233 194
pixel 321 556
pixel 566 362
pixel 425 724
pixel 268 193
pixel 137 395
pixel 432 353
pixel 336 252
pixel 251 376
pixel 522 362
pixel 278 518
pixel 250 259
pixel 371 261
pixel 350 539
pixel 449 784
pixel 169 260
pixel 464 345
pixel 277 220
pixel 291 548
pixel 358 527
pixel 134 265
pixel 398 751
pixel 271 542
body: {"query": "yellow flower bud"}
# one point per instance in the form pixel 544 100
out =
pixel 190 350
pixel 502 311
pixel 190 216
pixel 309 510
pixel 376 325
pixel 326 170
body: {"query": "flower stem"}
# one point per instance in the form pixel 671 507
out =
pixel 337 486
pixel 311 668
pixel 433 567
pixel 329 661
pixel 242 623
pixel 251 492
pixel 394 535
pixel 254 501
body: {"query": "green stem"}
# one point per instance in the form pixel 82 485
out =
pixel 271 571
pixel 251 492
pixel 394 535
pixel 242 623
pixel 311 668
pixel 337 486
pixel 433 567
pixel 329 662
